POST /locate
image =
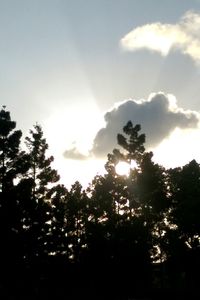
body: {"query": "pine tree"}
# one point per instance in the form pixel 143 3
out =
pixel 58 237
pixel 141 200
pixel 42 177
pixel 13 167
pixel 9 150
pixel 76 217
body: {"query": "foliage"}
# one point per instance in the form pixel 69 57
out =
pixel 125 234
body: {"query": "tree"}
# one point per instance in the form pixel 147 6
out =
pixel 13 167
pixel 183 234
pixel 119 214
pixel 41 179
pixel 11 162
pixel 57 238
pixel 76 218
pixel 40 171
pixel 142 197
pixel 186 203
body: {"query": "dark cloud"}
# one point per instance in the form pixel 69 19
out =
pixel 74 153
pixel 158 117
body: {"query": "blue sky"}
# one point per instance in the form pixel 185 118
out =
pixel 63 65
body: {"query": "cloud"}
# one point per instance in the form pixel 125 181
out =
pixel 159 115
pixel 75 154
pixel 162 38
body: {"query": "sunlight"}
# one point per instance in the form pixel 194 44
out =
pixel 84 170
pixel 179 148
pixel 74 127
pixel 75 124
pixel 69 125
pixel 122 168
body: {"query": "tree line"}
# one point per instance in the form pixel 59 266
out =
pixel 121 237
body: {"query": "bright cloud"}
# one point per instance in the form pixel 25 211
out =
pixel 184 36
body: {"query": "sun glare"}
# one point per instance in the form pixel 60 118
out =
pixel 84 170
pixel 122 168
pixel 178 149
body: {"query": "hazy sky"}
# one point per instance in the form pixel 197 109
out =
pixel 83 68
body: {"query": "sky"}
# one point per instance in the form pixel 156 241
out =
pixel 83 68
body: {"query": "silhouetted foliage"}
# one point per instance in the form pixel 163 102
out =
pixel 124 236
pixel 40 176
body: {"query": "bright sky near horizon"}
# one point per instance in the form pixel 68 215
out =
pixel 83 68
